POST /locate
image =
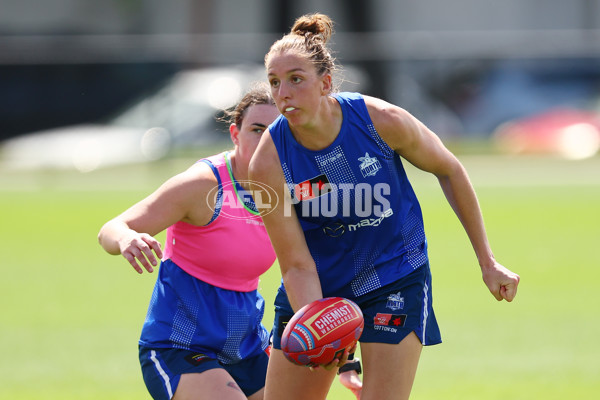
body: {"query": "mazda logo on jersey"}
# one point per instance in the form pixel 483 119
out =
pixel 312 188
pixel 335 229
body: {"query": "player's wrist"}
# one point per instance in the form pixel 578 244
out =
pixel 351 365
pixel 486 261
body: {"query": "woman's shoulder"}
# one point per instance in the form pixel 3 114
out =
pixel 394 124
pixel 200 177
pixel 204 170
pixel 349 96
pixel 370 104
pixel 376 110
pixel 384 112
pixel 196 188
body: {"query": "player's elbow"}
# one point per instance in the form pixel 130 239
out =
pixel 104 239
pixel 449 168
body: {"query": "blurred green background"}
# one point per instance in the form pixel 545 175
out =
pixel 102 101
pixel 71 314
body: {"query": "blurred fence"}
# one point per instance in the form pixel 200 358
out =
pixel 217 48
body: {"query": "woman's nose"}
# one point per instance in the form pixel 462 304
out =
pixel 284 91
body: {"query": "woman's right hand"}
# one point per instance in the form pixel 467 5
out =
pixel 140 248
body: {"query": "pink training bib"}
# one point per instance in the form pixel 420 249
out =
pixel 233 250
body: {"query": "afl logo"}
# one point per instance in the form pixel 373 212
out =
pixel 228 199
pixel 334 229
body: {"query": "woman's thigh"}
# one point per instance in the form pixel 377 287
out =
pixel 286 380
pixel 212 384
pixel 389 369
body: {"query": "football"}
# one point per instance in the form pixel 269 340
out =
pixel 321 331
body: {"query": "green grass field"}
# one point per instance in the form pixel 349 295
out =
pixel 71 314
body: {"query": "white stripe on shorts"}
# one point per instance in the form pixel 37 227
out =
pixel 425 311
pixel 162 373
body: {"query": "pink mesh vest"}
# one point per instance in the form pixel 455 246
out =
pixel 233 250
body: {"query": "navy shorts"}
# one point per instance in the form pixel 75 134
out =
pixel 391 312
pixel 162 369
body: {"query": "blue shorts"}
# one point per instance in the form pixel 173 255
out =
pixel 189 314
pixel 162 369
pixel 391 312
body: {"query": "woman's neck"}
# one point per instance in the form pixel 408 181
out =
pixel 322 131
pixel 239 174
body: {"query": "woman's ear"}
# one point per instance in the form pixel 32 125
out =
pixel 233 133
pixel 326 85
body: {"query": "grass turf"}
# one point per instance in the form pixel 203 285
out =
pixel 71 314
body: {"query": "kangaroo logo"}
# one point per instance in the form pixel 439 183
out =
pixel 369 165
pixel 395 301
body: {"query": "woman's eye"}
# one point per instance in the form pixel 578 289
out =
pixel 274 83
pixel 296 79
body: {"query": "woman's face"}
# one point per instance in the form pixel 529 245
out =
pixel 255 121
pixel 296 87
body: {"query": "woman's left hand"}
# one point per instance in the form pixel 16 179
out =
pixel 501 281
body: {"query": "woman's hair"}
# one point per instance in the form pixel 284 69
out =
pixel 259 93
pixel 308 38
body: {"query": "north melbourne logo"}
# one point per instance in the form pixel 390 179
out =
pixel 369 165
pixel 395 301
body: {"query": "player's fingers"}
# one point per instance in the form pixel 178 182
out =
pixel 344 358
pixel 141 254
pixel 157 249
pixel 331 365
pixel 145 255
pixel 495 290
pixel 148 255
pixel 154 245
pixel 510 291
pixel 338 361
pixel 131 259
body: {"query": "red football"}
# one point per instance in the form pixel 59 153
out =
pixel 321 331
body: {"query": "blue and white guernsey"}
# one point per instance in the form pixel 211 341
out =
pixel 360 216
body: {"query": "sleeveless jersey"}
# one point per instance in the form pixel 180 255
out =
pixel 205 298
pixel 233 249
pixel 361 218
